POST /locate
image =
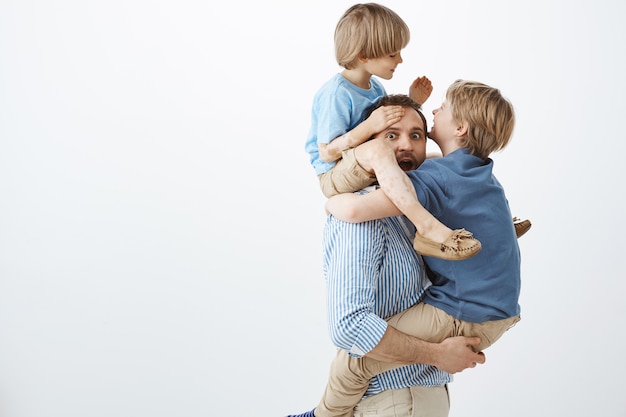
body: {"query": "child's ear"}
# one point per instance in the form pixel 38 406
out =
pixel 461 129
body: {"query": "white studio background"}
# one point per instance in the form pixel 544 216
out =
pixel 160 226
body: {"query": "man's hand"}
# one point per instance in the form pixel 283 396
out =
pixel 455 354
pixel 452 355
pixel 420 89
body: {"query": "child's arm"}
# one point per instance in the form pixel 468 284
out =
pixel 420 89
pixel 379 120
pixel 357 208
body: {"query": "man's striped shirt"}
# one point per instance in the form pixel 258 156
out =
pixel 372 272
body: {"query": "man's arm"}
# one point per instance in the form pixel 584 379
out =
pixel 357 208
pixel 452 355
pixel 353 253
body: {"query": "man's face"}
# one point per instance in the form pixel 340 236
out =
pixel 408 140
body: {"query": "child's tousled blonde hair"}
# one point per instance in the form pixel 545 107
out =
pixel 490 116
pixel 369 30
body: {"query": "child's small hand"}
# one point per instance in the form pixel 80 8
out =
pixel 420 89
pixel 383 117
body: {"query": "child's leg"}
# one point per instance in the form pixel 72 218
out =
pixel 347 382
pixel 434 325
pixel 347 176
pixel 350 377
pixel 488 331
pixel 433 237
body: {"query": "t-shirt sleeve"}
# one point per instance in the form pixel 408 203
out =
pixel 333 115
pixel 429 182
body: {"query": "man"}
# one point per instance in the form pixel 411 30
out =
pixel 373 273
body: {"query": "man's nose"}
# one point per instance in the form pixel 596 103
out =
pixel 404 143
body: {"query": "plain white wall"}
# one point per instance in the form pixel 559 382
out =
pixel 160 225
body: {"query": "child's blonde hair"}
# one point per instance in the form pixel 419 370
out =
pixel 489 115
pixel 368 31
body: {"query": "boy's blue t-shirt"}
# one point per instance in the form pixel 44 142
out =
pixel 338 107
pixel 461 191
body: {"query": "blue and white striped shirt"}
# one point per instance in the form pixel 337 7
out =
pixel 372 272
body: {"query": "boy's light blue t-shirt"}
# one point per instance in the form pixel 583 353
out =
pixel 338 107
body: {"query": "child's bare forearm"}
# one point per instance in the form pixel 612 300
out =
pixel 332 151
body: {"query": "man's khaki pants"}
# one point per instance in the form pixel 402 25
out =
pixel 406 402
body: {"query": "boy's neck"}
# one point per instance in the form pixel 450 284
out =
pixel 448 147
pixel 358 77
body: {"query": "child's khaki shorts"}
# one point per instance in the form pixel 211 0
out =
pixel 347 176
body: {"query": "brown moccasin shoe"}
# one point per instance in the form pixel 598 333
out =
pixel 521 226
pixel 458 246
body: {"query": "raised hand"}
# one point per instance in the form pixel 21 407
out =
pixel 420 89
